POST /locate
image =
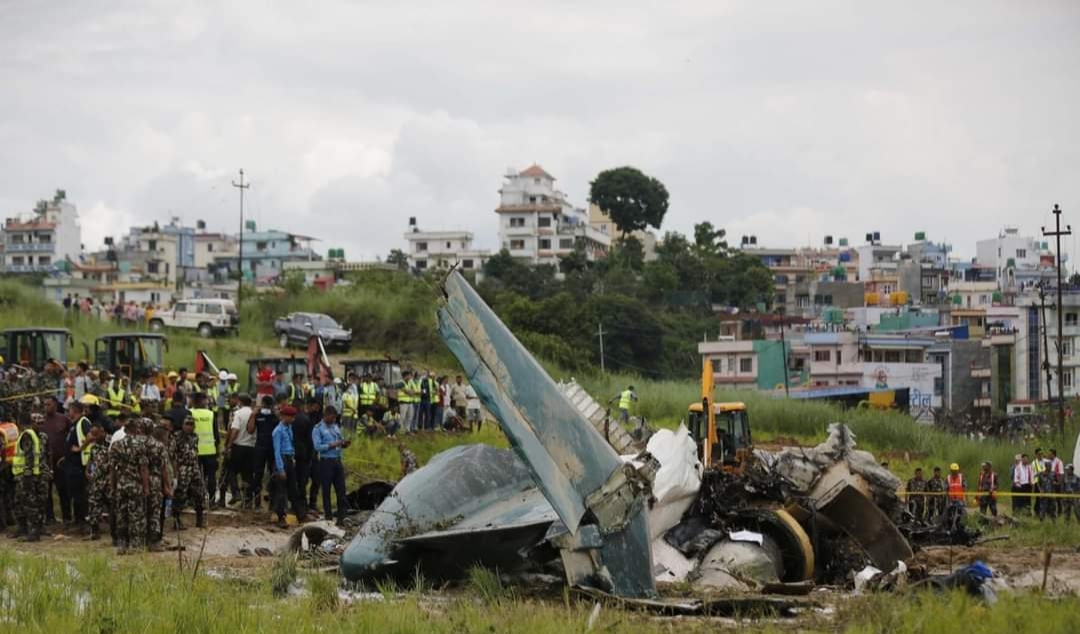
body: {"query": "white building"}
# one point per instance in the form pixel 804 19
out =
pixel 538 224
pixel 41 241
pixel 443 249
pixel 877 260
pixel 602 223
pixel 1010 253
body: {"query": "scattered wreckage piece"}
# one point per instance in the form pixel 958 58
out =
pixel 470 505
pixel 576 469
pixel 749 607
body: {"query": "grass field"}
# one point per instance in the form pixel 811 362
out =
pixel 98 594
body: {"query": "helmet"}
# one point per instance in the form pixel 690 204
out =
pixel 231 377
pixel 954 467
pixel 172 375
pixel 223 376
pixel 89 399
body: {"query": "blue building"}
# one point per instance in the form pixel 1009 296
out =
pixel 265 252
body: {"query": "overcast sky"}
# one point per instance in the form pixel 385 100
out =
pixel 789 121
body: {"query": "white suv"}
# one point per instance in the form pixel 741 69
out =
pixel 207 316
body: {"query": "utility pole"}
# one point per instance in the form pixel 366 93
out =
pixel 240 252
pixel 1057 233
pixel 1046 345
pixel 783 351
pixel 600 332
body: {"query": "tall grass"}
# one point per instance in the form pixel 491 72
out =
pixel 92 594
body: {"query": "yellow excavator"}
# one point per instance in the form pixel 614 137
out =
pixel 721 430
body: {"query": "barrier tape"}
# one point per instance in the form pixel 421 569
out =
pixel 17 397
pixel 996 494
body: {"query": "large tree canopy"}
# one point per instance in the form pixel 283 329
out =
pixel 632 199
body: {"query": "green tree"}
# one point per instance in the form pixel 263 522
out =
pixel 632 199
pixel 398 258
pixel 629 253
pixel 708 240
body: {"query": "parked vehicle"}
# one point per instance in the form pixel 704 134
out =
pixel 207 316
pixel 32 347
pixel 297 328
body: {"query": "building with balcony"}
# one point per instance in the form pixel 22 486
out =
pixel 1014 258
pixel 539 225
pixel 265 253
pixel 834 358
pixel 429 250
pixel 44 240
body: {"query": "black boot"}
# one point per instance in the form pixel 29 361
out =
pixel 177 524
pixel 95 533
pixel 200 519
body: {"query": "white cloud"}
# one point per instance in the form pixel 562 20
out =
pixel 763 118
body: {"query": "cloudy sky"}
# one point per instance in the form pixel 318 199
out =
pixel 787 120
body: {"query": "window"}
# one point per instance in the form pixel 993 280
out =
pixel 421 247
pixel 839 356
pixel 212 309
pixel 44 259
pixel 466 264
pixel 822 355
pixel 746 365
pixel 517 245
pixel 152 245
pixel 536 181
pixel 260 246
pixel 1066 347
pixel 715 365
pixel 210 247
pixel 517 222
pixel 16 238
pixel 447 245
pixel 545 243
pixel 1021 253
pixel 543 221
pixel 532 199
pixel 152 267
pixel 939 386
pixel 181 307
pixel 421 264
pixel 1067 378
pixel 1070 319
pixel 802 301
pixel 731 365
pixel 44 238
pixel 566 243
pixel 17 260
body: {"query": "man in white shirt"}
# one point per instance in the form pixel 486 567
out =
pixel 1023 479
pixel 472 407
pixel 239 451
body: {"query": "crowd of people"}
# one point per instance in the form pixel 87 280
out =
pixel 142 454
pixel 1044 487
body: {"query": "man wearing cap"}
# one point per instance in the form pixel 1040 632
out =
pixel 1070 485
pixel 302 426
pixel 208 439
pixel 988 485
pixel 160 482
pixel 266 422
pixel 956 490
pixel 936 485
pixel 283 486
pixel 74 463
pixel 97 477
pixel 30 468
pixel 184 383
pixel 170 389
pixel 190 486
pixel 129 486
pixel 149 394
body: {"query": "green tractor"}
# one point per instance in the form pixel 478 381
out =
pixel 33 347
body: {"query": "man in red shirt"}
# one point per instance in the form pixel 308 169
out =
pixel 56 428
pixel 264 381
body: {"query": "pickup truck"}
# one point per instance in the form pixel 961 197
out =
pixel 208 317
pixel 297 328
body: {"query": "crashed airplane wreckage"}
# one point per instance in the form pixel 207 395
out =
pixel 563 500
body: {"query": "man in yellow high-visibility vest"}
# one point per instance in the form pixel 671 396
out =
pixel 626 399
pixel 29 467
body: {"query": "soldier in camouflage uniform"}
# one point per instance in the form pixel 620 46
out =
pixel 915 499
pixel 935 507
pixel 408 461
pixel 97 475
pixel 190 488
pixel 129 474
pixel 160 482
pixel 31 471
